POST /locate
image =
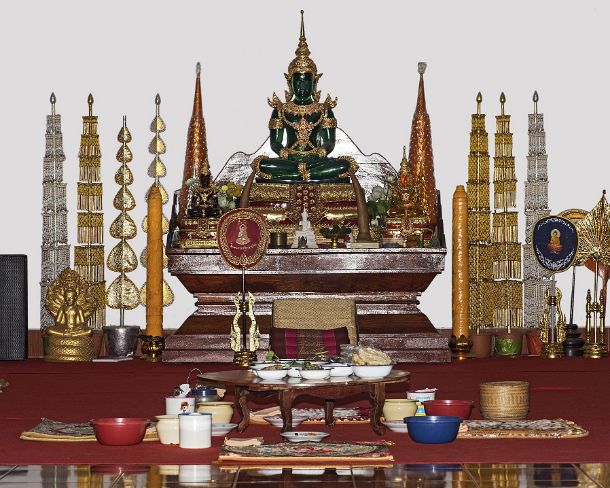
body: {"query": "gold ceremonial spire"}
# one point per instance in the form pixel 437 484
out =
pixel 302 63
pixel 196 159
pixel 502 102
pixel 536 98
pixel 421 158
pixel 90 102
pixel 479 100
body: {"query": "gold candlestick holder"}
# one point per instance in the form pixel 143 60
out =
pixel 594 327
pixel 152 348
pixel 460 346
pixel 552 335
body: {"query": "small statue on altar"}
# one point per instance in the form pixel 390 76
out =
pixel 308 127
pixel 71 304
pixel 305 234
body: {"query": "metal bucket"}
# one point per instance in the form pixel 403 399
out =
pixel 121 342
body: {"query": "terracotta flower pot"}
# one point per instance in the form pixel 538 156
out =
pixel 534 344
pixel 481 344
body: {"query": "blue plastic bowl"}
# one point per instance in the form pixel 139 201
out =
pixel 433 429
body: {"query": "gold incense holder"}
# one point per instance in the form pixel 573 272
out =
pixel 152 348
pixel 460 347
pixel 244 358
pixel 595 347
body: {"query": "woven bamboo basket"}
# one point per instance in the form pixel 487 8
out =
pixel 504 400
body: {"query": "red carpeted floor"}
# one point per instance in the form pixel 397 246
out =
pixel 575 389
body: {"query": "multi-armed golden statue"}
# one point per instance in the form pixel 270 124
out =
pixel 71 304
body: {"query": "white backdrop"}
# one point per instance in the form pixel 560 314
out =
pixel 126 52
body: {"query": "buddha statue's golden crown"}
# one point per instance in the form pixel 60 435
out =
pixel 302 63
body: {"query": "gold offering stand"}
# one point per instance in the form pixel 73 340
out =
pixel 594 245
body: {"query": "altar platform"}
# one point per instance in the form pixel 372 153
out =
pixel 384 283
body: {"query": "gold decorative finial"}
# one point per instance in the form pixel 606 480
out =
pixel 421 67
pixel 302 63
pixel 157 100
pixel 90 102
pixel 535 98
pixel 502 102
pixel 53 100
pixel 404 152
pixel 198 68
pixel 479 100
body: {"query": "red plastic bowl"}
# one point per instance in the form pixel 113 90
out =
pixel 119 431
pixel 457 408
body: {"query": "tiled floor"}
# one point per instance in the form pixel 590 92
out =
pixel 407 476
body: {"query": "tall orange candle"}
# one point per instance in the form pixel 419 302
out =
pixel 460 272
pixel 154 268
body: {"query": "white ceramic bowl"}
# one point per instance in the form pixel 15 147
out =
pixel 260 365
pixel 371 372
pixel 271 374
pixel 397 426
pixel 222 429
pixel 278 421
pixel 341 370
pixel 294 372
pixel 304 436
pixel 315 374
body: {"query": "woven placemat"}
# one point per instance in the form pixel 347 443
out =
pixel 54 431
pixel 307 452
pixel 522 429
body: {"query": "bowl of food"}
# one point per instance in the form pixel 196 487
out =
pixel 222 429
pixel 304 436
pixel 396 426
pixel 119 431
pixel 340 370
pixel 278 420
pixel 275 372
pixel 258 365
pixel 433 429
pixel 372 371
pixel 315 374
pixel 457 408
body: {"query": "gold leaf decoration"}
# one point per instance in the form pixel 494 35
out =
pixel 122 294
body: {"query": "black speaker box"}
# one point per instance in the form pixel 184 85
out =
pixel 13 307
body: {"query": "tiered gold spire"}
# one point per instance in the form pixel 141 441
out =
pixel 89 254
pixel 196 162
pixel 122 293
pixel 421 158
pixel 157 170
pixel 508 287
pixel 479 224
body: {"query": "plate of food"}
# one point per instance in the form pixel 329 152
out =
pixel 305 436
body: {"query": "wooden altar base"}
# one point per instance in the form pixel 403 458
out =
pixel 384 283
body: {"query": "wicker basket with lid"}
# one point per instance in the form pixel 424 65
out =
pixel 504 400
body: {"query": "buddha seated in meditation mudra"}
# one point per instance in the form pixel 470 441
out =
pixel 302 134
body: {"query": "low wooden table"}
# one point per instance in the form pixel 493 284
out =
pixel 330 389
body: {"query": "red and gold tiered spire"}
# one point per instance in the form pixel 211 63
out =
pixel 420 156
pixel 196 165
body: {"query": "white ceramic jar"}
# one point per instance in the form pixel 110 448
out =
pixel 195 430
pixel 176 405
pixel 168 429
pixel 222 412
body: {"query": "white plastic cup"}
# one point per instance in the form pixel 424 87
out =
pixel 195 430
pixel 177 405
pixel 194 474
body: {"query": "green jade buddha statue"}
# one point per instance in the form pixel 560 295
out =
pixel 302 130
pixel 302 133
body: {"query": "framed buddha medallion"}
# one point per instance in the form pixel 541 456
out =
pixel 242 237
pixel 555 241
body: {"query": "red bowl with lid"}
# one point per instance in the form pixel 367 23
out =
pixel 119 431
pixel 456 408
